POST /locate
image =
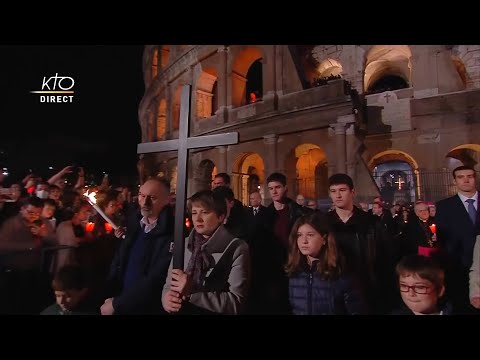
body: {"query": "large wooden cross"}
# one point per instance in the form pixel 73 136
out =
pixel 183 144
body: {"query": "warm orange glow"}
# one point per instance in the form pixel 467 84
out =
pixel 309 156
pixel 187 223
pixel 162 119
pixel 433 228
pixel 89 227
pixel 108 227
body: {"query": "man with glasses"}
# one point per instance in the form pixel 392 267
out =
pixel 422 285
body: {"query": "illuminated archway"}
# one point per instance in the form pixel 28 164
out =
pixel 312 172
pixel 241 65
pixel 329 67
pixel 396 174
pixel 205 93
pixel 387 62
pixel 465 154
pixel 248 170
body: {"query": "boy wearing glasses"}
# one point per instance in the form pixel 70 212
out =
pixel 422 284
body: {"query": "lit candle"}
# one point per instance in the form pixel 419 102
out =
pixel 108 227
pixel 433 228
pixel 93 201
pixel 89 227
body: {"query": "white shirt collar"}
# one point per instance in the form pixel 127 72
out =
pixel 464 198
pixel 147 227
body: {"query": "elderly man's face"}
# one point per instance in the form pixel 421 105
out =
pixel 300 199
pixel 152 198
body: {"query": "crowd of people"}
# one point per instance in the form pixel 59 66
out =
pixel 284 258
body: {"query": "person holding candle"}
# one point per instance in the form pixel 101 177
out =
pixel 140 265
pixel 109 206
pixel 419 234
pixel 72 233
pixel 105 243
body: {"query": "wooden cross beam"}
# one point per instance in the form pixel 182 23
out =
pixel 183 144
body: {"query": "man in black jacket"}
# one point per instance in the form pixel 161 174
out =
pixel 269 249
pixel 360 240
pixel 140 266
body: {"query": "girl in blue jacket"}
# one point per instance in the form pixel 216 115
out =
pixel 318 284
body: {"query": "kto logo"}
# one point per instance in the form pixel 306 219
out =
pixel 56 85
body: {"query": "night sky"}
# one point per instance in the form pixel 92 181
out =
pixel 98 130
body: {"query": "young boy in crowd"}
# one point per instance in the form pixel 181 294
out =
pixel 72 290
pixel 422 284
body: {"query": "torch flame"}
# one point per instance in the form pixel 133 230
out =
pixel 91 196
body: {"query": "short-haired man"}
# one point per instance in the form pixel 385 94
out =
pixel 221 179
pixel 358 240
pixel 236 216
pixel 216 275
pixel 140 265
pixel 457 226
pixel 270 249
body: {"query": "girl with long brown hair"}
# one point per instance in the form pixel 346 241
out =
pixel 318 283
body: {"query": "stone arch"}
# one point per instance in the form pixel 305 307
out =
pixel 469 54
pixel 387 62
pixel 248 175
pixel 397 176
pixel 392 155
pixel 203 175
pixel 205 93
pixel 254 85
pixel 329 67
pixel 464 154
pixel 241 64
pixel 311 171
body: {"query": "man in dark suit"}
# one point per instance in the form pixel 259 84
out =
pixel 255 218
pixel 256 204
pixel 456 231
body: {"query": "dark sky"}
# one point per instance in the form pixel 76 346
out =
pixel 98 130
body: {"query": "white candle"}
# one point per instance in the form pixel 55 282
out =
pixel 91 199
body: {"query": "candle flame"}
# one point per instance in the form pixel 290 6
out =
pixel 91 196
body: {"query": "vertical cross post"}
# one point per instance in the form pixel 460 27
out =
pixel 183 144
